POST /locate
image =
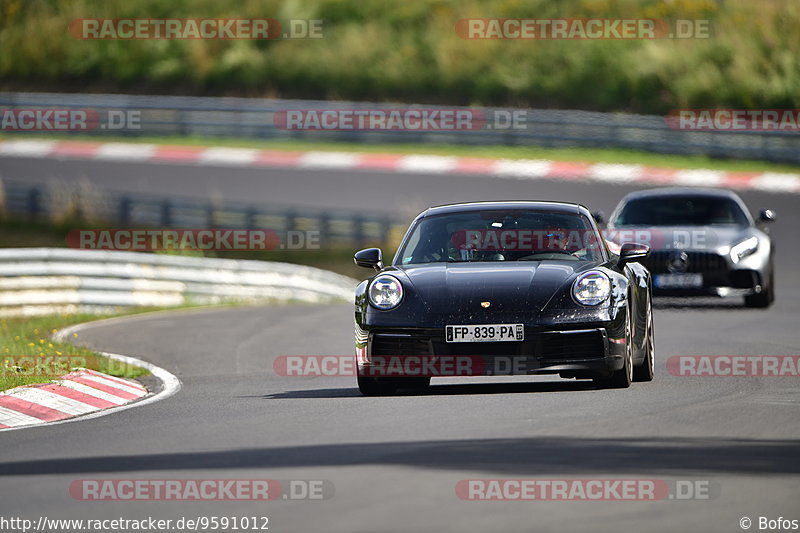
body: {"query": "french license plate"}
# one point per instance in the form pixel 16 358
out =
pixel 485 333
pixel 678 281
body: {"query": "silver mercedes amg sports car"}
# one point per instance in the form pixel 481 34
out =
pixel 702 242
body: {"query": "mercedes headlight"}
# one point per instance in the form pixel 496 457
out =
pixel 744 248
pixel 591 288
pixel 385 292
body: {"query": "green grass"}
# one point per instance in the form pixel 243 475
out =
pixel 589 155
pixel 383 50
pixel 30 355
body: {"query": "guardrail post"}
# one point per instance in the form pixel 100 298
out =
pixel 250 218
pixel 34 203
pixel 124 213
pixel 211 217
pixel 324 229
pixel 77 212
pixel 166 213
pixel 358 230
pixel 183 127
pixel 291 220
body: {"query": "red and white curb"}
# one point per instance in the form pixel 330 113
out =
pixel 78 393
pixel 81 394
pixel 778 182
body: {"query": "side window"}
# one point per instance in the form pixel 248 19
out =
pixel 411 246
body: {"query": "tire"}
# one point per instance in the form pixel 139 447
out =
pixel 763 299
pixel 646 370
pixel 622 378
pixel 376 386
pixel 417 384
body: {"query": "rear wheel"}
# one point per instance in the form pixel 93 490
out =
pixel 622 378
pixel 646 371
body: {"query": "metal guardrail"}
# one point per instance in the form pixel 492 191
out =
pixel 254 118
pixel 36 281
pixel 60 201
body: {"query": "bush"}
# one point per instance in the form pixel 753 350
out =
pixel 383 50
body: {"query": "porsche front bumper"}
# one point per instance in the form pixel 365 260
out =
pixel 424 352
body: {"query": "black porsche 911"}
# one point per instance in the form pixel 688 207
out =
pixel 503 288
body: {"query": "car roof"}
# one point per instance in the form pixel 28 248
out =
pixel 664 192
pixel 556 207
pixel 682 191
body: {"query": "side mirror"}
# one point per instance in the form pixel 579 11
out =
pixel 631 252
pixel 766 215
pixel 369 258
pixel 599 217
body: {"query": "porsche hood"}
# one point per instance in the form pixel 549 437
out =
pixel 445 288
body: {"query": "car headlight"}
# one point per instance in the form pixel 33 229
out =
pixel 591 288
pixel 385 292
pixel 744 248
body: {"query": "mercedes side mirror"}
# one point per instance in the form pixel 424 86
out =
pixel 599 217
pixel 631 252
pixel 766 215
pixel 369 258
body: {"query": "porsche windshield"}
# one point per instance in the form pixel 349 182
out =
pixel 681 211
pixel 493 235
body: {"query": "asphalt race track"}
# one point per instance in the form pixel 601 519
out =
pixel 395 462
pixel 405 194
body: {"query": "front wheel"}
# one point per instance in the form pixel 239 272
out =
pixel 764 298
pixel 622 378
pixel 646 371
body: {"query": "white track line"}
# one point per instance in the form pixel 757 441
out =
pixel 229 156
pixel 522 168
pixel 699 178
pixel 329 160
pixel 776 182
pixel 435 164
pixel 125 152
pixel 27 148
pixel 614 173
